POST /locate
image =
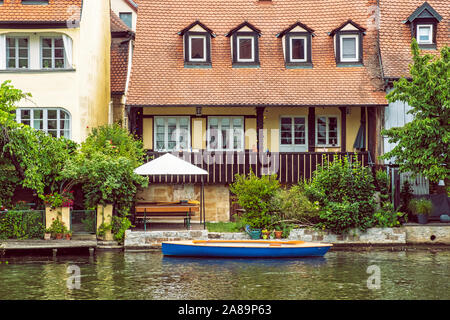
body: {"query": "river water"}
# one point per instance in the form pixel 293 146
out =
pixel 417 274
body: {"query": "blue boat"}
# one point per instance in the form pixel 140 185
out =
pixel 244 248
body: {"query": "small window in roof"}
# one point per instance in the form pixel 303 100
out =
pixel 197 45
pixel 423 23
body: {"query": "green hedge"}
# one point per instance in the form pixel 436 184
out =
pixel 22 224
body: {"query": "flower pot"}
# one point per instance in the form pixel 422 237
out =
pixel 255 234
pixel 67 236
pixel 278 234
pixel 422 218
pixel 444 218
pixel 58 236
pixel 47 236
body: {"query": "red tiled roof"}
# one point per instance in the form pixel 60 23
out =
pixel 395 36
pixel 117 25
pixel 119 66
pixel 159 76
pixel 13 11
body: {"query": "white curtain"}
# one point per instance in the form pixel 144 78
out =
pixel 2 51
pixel 68 50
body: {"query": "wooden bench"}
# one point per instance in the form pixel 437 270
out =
pixel 145 211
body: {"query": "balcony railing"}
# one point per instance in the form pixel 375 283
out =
pixel 223 166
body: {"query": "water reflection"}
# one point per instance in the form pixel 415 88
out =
pixel 149 275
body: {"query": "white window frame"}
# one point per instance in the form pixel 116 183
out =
pixel 293 147
pixel 349 36
pixel 41 47
pixel 231 134
pixel 45 120
pixel 16 48
pixel 238 58
pixel 304 48
pixel 166 133
pixel 204 48
pixel 327 131
pixel 430 26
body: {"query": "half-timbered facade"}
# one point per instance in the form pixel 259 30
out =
pixel 268 86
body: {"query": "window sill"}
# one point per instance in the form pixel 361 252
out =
pixel 198 65
pixel 245 65
pixel 327 146
pixel 427 46
pixel 349 64
pixel 299 65
pixel 36 70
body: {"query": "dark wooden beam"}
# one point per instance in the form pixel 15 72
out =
pixel 259 128
pixel 371 133
pixel 312 129
pixel 343 129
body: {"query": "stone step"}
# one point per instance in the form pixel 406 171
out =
pixel 84 236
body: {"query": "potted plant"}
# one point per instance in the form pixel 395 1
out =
pixel 422 208
pixel 47 234
pixel 265 234
pixel 68 234
pixel 278 232
pixel 57 228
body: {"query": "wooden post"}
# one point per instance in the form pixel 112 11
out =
pixel 259 129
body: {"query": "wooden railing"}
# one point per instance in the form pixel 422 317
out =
pixel 223 166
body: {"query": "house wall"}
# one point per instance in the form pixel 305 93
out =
pixel 217 198
pixel 83 91
pixel 271 124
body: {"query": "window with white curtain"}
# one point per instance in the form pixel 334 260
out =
pixel 172 133
pixel 226 133
pixel 327 131
pixel 54 121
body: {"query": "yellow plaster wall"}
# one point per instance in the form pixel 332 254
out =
pixel 147 136
pixel 84 91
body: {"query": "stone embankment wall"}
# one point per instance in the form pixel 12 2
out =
pixel 407 235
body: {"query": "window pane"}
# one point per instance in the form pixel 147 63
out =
pixel 11 63
pixel 126 17
pixel 38 124
pixel 59 53
pixel 349 48
pixel 332 133
pixel 245 49
pixel 25 114
pixel 23 53
pixel 53 133
pixel 46 43
pixel 52 124
pixel 59 43
pixel 23 63
pixel 52 114
pixel 38 114
pixel 64 124
pixel 47 53
pixel 286 130
pixel 299 130
pixel 46 63
pixel 213 133
pixel 10 42
pixel 23 42
pixel 59 63
pixel 298 49
pixel 197 46
pixel 65 134
pixel 12 53
pixel 321 130
pixel 424 34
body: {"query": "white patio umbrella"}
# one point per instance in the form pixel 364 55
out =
pixel 172 165
pixel 169 164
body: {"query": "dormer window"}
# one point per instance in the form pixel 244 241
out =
pixel 296 41
pixel 348 44
pixel 423 23
pixel 244 45
pixel 197 45
pixel 425 33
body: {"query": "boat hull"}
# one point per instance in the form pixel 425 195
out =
pixel 247 249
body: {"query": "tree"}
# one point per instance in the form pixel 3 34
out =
pixel 423 144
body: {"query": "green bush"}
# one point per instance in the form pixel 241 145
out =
pixel 387 217
pixel 119 226
pixel 293 204
pixel 421 206
pixel 256 195
pixel 15 224
pixel 345 186
pixel 339 217
pixel 382 180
